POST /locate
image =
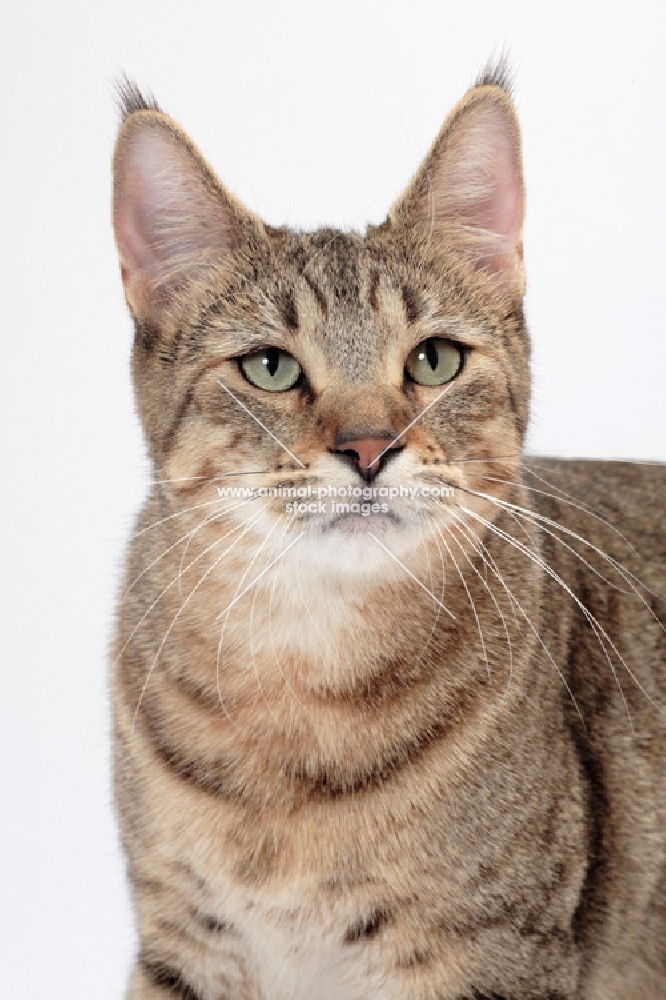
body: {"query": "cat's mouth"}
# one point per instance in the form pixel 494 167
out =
pixel 359 522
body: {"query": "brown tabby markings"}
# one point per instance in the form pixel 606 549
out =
pixel 333 790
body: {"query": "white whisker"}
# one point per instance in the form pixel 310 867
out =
pixel 180 611
pixel 621 570
pixel 432 588
pixel 236 597
pixel 410 574
pixel 569 500
pixel 210 479
pixel 487 557
pixel 175 580
pixel 461 528
pixel 469 598
pixel 178 513
pixel 257 578
pixel 574 502
pixel 597 628
pixel 262 425
pixel 272 638
pixel 535 631
pixel 210 520
pixel 253 657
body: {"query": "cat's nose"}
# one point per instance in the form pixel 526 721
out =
pixel 369 455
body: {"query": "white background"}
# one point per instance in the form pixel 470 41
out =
pixel 312 113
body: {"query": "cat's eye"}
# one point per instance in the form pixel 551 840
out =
pixel 434 361
pixel 271 369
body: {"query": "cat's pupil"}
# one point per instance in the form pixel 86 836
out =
pixel 432 354
pixel 272 360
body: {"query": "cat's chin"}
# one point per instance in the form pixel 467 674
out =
pixel 356 546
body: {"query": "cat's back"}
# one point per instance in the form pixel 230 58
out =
pixel 628 496
pixel 603 540
pixel 603 546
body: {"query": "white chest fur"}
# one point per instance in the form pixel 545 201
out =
pixel 307 967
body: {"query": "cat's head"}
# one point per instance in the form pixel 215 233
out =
pixel 271 359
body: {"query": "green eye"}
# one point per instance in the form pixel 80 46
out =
pixel 271 369
pixel 434 361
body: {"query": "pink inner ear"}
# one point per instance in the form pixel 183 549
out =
pixel 140 192
pixel 505 206
pixel 479 191
pixel 169 220
pixel 132 223
pixel 500 213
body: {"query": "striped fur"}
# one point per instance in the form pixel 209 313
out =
pixel 342 773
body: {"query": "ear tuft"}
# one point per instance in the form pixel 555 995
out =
pixel 130 99
pixel 497 73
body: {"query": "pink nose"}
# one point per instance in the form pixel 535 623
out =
pixel 369 454
pixel 368 450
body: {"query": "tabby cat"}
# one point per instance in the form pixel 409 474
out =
pixel 388 695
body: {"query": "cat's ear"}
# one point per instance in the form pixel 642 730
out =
pixel 172 218
pixel 468 193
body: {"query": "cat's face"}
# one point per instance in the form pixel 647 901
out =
pixel 394 364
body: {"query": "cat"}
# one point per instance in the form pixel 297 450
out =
pixel 388 695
